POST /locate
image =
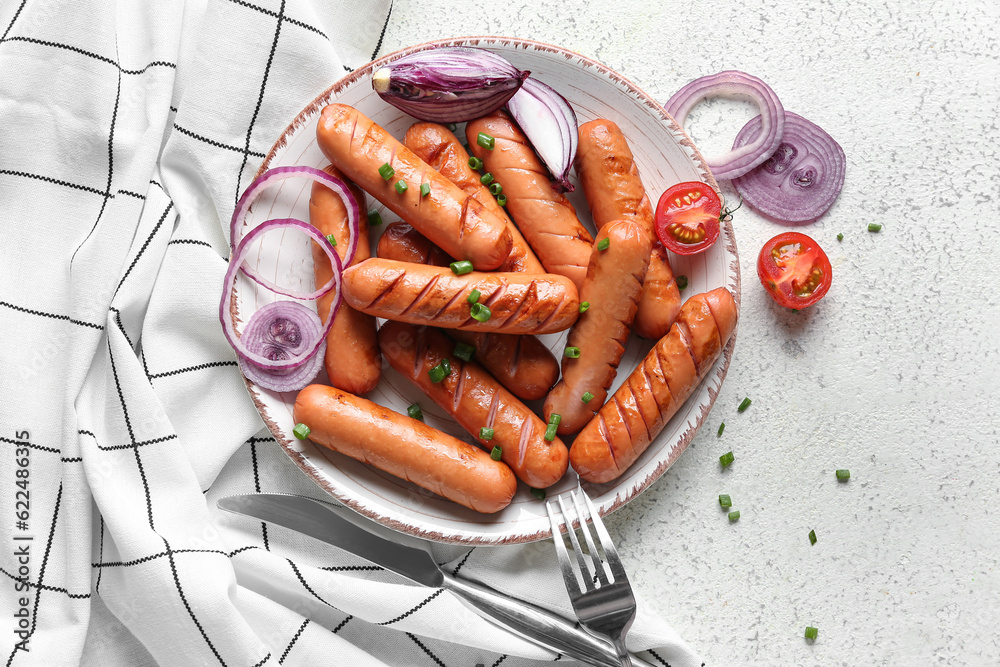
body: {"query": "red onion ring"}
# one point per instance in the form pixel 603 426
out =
pixel 550 124
pixel 280 329
pixel 734 84
pixel 236 261
pixel 803 177
pixel 278 174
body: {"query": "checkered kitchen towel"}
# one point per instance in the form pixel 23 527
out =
pixel 127 131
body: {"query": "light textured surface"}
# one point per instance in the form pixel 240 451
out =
pixel 894 375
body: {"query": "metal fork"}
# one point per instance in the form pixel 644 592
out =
pixel 605 605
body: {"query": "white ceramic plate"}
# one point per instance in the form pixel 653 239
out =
pixel 664 154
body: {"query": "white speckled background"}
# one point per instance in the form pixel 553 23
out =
pixel 894 375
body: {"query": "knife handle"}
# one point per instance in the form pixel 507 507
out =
pixel 536 624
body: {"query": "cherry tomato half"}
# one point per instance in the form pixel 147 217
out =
pixel 794 270
pixel 687 218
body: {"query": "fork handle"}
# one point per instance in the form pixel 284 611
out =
pixel 535 624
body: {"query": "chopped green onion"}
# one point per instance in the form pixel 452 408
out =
pixel 726 459
pixel 486 141
pixel 386 171
pixel 447 365
pixel 473 296
pixel 425 189
pixel 744 405
pixel 486 178
pixel 332 239
pixel 374 218
pixel 734 516
pixel 604 243
pixel 497 453
pixel 725 500
pixel 572 352
pixel 479 312
pixel 844 475
pixel 439 372
pixel 587 397
pixel 811 632
pixel 495 189
pixel 812 537
pixel 555 418
pixel 840 237
pixel 475 163
pixel 401 186
pixel 486 434
pixel 452 127
pixel 502 199
pixel 874 227
pixel 464 351
pixel 550 433
pixel 538 493
pixel 462 267
pixel 682 282
pixel 301 431
pixel 415 411
pixel 722 427
pixel 584 306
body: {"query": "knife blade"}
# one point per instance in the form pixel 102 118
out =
pixel 322 521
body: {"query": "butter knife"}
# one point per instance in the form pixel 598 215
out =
pixel 321 521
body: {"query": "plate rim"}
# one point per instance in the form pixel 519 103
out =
pixel 685 438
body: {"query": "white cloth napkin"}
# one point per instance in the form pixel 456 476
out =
pixel 127 132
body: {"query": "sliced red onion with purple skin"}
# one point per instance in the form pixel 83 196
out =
pixel 803 177
pixel 448 84
pixel 282 330
pixel 733 83
pixel 550 124
pixel 310 344
pixel 278 174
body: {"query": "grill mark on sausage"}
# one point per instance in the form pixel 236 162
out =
pixel 494 406
pixel 423 293
pixel 388 289
pixel 621 415
pixel 458 295
pixel 554 313
pixel 527 428
pixel 419 351
pixel 663 374
pixel 462 220
pixel 638 408
pixel 682 328
pixel 516 356
pixel 460 386
pixel 602 426
pixel 432 156
pixel 528 293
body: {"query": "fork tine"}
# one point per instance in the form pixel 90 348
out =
pixel 588 579
pixel 594 554
pixel 606 543
pixel 569 574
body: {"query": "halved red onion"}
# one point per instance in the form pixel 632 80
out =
pixel 278 174
pixel 733 83
pixel 448 83
pixel 278 331
pixel 550 124
pixel 312 342
pixel 803 177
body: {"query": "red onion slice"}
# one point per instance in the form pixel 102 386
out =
pixel 734 84
pixel 239 255
pixel 283 330
pixel 278 174
pixel 448 84
pixel 550 124
pixel 803 177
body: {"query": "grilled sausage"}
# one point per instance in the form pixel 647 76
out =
pixel 352 359
pixel 401 242
pixel 437 146
pixel 459 224
pixel 656 389
pixel 542 213
pixel 612 290
pixel 614 191
pixel 404 447
pixel 522 364
pixel 475 400
pixel 418 294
